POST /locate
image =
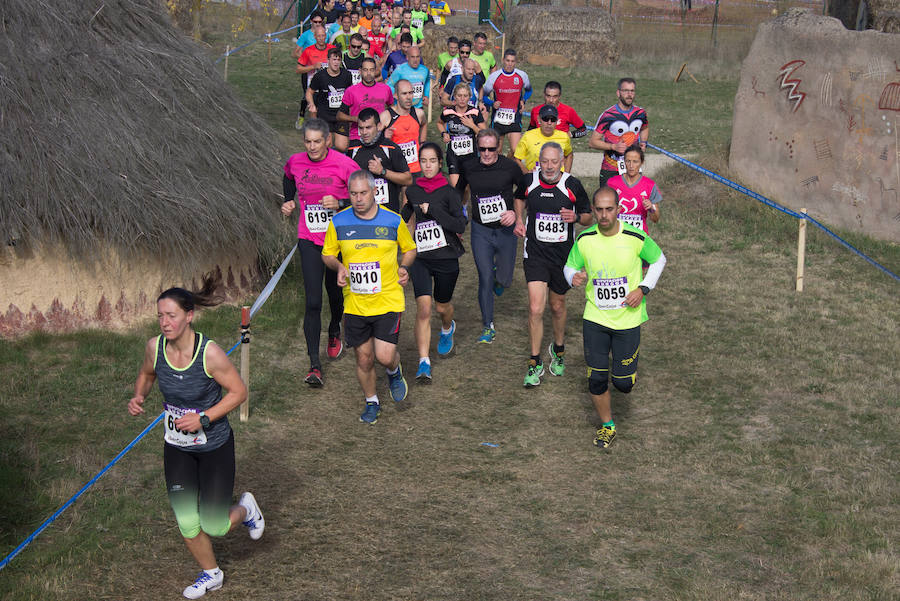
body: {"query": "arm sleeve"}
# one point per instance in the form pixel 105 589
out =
pixel 289 187
pixel 489 83
pixel 398 161
pixel 574 263
pixel 654 271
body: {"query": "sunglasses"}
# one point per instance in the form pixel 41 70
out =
pixel 549 119
pixel 466 52
pixel 356 46
pixel 316 21
pixel 487 148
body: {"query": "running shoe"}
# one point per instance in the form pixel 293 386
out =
pixel 298 124
pixel 557 362
pixel 533 377
pixel 423 374
pixel 498 288
pixel 255 522
pixel 397 384
pixel 371 413
pixel 445 342
pixel 335 347
pixel 314 378
pixel 204 583
pixel 605 437
pixel 487 336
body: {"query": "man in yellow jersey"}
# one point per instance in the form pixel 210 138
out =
pixel 367 236
pixel 529 147
pixel 607 256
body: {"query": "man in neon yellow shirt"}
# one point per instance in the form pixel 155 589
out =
pixel 608 257
pixel 529 147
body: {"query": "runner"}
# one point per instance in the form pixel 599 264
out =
pixel 415 32
pixel 382 158
pixel 318 179
pixel 468 75
pixel 491 179
pixel 396 57
pixel 458 125
pixel 341 37
pixel 311 59
pixel 567 115
pixel 198 454
pixel 454 65
pixel 415 73
pixel 353 58
pixel 325 95
pixel 608 256
pixel 638 195
pixel 437 9
pixel 367 238
pixel 481 54
pixel 419 15
pixel 439 224
pixel 405 125
pixel 377 38
pixel 548 202
pixel 451 53
pixel 618 127
pixel 511 88
pixel 367 93
pixel 533 140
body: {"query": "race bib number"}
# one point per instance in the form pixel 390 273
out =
pixel 177 437
pixel 418 90
pixel 632 219
pixel 429 236
pixel 550 227
pixel 355 77
pixel 334 99
pixel 365 278
pixel 381 190
pixel 620 164
pixel 417 23
pixel 461 145
pixel 436 18
pixel 505 116
pixel 317 218
pixel 410 152
pixel 455 68
pixel 490 208
pixel 610 293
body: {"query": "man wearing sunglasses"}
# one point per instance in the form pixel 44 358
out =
pixel 491 181
pixel 454 66
pixel 529 147
pixel 354 56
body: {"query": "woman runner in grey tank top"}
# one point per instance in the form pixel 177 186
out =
pixel 198 453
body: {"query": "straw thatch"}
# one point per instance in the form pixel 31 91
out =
pixel 121 141
pixel 562 36
pixel 880 15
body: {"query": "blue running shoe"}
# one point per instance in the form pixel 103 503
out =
pixel 445 342
pixel 397 384
pixel 423 375
pixel 487 336
pixel 371 413
pixel 498 289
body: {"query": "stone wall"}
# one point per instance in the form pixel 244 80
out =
pixel 815 121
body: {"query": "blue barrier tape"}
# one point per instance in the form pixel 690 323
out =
pixel 263 37
pixel 257 305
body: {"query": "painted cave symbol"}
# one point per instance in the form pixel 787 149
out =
pixel 890 97
pixel 791 85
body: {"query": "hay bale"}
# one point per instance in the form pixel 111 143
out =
pixel 562 36
pixel 124 155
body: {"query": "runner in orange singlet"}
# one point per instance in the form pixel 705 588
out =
pixel 405 125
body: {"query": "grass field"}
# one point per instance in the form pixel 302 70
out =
pixel 757 457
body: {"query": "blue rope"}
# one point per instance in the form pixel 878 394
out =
pixel 263 37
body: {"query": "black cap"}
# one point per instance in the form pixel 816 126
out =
pixel 548 110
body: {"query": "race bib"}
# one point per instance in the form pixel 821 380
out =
pixel 436 18
pixel 610 293
pixel 355 77
pixel 620 164
pixel 177 437
pixel 381 190
pixel 550 227
pixel 410 151
pixel 461 145
pixel 334 99
pixel 490 208
pixel 429 236
pixel 504 116
pixel 317 218
pixel 455 68
pixel 632 219
pixel 417 23
pixel 418 90
pixel 365 278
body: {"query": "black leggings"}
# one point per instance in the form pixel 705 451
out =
pixel 314 271
pixel 200 487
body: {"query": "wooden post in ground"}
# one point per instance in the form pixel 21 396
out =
pixel 801 251
pixel 502 46
pixel 245 359
pixel 269 48
pixel 227 52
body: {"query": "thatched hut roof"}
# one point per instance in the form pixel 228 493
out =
pixel 562 36
pixel 117 129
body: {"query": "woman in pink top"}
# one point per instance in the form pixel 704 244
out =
pixel 638 195
pixel 318 179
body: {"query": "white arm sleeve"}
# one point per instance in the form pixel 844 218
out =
pixel 569 272
pixel 653 272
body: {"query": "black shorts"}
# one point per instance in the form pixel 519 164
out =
pixel 539 270
pixel 455 162
pixel 358 329
pixel 442 272
pixel 339 127
pixel 600 340
pixel 512 128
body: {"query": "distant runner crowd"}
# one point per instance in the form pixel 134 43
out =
pixel 380 208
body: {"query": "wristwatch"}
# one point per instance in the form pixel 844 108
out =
pixel 204 420
pixel 645 290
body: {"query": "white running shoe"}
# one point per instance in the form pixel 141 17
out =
pixel 254 522
pixel 205 582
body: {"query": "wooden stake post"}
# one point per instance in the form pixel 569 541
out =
pixel 227 52
pixel 801 251
pixel 245 360
pixel 269 47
